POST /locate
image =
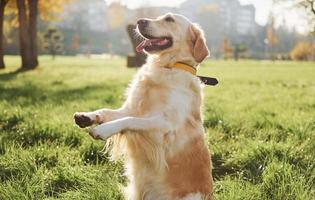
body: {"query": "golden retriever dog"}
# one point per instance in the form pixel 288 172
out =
pixel 159 129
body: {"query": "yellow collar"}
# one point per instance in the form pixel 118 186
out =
pixel 193 71
pixel 185 67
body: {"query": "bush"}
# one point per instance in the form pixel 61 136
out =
pixel 302 51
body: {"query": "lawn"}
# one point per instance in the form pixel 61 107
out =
pixel 260 125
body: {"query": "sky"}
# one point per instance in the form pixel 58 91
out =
pixel 293 18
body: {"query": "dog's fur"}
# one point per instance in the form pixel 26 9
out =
pixel 159 128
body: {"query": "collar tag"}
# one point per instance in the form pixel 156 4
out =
pixel 208 80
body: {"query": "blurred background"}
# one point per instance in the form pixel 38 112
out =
pixel 271 29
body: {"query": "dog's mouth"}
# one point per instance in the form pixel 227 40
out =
pixel 151 43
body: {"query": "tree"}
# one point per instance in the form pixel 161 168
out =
pixel 307 6
pixel 33 12
pixel 226 49
pixel 75 43
pixel 239 49
pixel 28 59
pixel 53 41
pixel 3 4
pixel 271 37
pixel 28 12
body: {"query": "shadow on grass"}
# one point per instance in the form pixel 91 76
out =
pixel 7 173
pixel 219 169
pixel 30 136
pixel 11 75
pixel 252 162
pixel 32 94
pixel 62 180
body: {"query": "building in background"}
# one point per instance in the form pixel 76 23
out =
pixel 238 17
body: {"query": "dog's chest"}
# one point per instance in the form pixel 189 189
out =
pixel 146 96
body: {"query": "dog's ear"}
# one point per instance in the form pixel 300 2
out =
pixel 198 44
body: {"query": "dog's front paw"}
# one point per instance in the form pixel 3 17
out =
pixel 82 120
pixel 93 133
pixel 103 131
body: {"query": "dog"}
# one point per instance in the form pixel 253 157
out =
pixel 159 128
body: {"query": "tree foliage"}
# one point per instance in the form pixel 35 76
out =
pixel 303 51
pixel 272 37
pixel 227 50
pixel 48 10
pixel 307 7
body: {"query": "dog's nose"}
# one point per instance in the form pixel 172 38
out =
pixel 142 23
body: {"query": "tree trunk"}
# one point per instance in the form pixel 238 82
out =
pixel 33 13
pixel 25 46
pixel 2 7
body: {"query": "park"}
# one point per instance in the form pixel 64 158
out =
pixel 259 123
pixel 259 120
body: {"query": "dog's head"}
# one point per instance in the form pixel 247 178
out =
pixel 172 34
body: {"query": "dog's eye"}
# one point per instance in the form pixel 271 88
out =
pixel 169 19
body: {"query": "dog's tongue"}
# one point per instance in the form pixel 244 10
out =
pixel 149 42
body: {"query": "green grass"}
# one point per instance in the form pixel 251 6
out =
pixel 260 123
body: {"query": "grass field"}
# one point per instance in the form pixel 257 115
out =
pixel 260 123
